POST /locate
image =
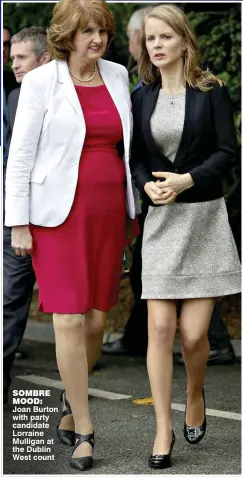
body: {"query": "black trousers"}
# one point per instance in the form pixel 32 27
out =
pixel 18 283
pixel 135 337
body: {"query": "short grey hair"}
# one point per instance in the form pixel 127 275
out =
pixel 136 20
pixel 37 36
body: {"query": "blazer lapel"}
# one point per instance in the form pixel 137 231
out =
pixel 182 151
pixel 110 77
pixel 63 77
pixel 149 103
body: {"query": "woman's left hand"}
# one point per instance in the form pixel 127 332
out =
pixel 176 182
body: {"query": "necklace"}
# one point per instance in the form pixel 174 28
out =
pixel 84 80
pixel 172 97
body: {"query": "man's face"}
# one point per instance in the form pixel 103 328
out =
pixel 23 58
pixel 6 46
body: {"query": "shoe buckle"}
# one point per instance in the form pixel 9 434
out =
pixel 194 431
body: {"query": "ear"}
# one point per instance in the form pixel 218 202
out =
pixel 45 58
pixel 137 36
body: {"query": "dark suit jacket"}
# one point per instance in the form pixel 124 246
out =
pixel 12 108
pixel 208 146
pixel 9 82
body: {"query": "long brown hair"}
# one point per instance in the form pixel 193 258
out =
pixel 175 18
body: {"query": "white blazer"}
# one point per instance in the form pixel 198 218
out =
pixel 47 141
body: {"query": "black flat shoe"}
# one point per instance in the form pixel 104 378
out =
pixel 83 463
pixel 193 435
pixel 65 437
pixel 162 461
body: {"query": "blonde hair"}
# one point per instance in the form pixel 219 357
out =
pixel 71 15
pixel 175 18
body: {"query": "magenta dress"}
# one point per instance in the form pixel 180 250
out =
pixel 78 264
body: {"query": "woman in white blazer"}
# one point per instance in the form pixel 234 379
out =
pixel 68 190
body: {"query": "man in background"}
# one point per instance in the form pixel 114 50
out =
pixel 135 338
pixel 134 37
pixel 28 51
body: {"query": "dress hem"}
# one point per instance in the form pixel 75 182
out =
pixel 46 310
pixel 183 287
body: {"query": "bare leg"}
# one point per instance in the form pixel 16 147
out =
pixel 94 332
pixel 161 334
pixel 73 368
pixel 194 323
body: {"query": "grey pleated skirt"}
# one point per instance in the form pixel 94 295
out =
pixel 189 251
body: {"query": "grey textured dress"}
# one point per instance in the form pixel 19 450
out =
pixel 188 249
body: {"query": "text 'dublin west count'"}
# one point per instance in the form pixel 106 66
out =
pixel 30 422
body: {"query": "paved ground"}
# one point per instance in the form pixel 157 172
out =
pixel 124 430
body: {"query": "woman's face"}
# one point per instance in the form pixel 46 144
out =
pixel 90 43
pixel 163 44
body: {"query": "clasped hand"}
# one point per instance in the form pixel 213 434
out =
pixel 163 193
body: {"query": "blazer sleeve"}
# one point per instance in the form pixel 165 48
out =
pixel 125 78
pixel 139 159
pixel 26 134
pixel 226 155
pixel 125 75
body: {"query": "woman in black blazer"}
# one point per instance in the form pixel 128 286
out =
pixel 184 143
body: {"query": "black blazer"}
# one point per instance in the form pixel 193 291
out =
pixel 208 146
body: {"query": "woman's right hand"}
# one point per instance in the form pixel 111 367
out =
pixel 157 196
pixel 22 240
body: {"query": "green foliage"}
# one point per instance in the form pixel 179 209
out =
pixel 219 38
pixel 21 15
pixel 134 79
